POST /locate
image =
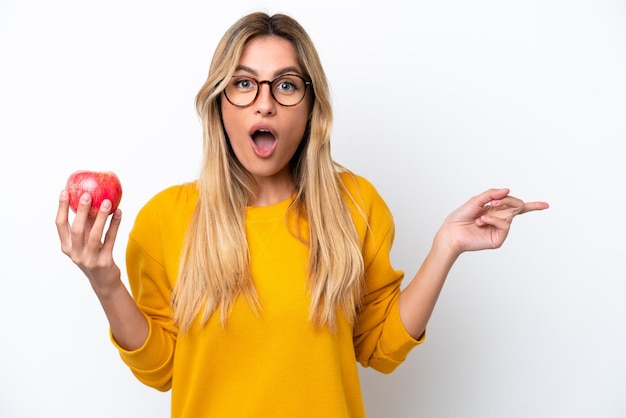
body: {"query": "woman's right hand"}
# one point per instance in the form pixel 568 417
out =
pixel 91 249
pixel 87 244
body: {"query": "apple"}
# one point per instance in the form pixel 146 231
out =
pixel 100 185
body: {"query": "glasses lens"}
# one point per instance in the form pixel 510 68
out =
pixel 241 90
pixel 287 90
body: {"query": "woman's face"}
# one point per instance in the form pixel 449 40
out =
pixel 265 135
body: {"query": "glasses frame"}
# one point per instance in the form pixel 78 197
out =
pixel 270 83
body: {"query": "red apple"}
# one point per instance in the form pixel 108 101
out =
pixel 100 185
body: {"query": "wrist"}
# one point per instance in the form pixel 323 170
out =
pixel 445 245
pixel 107 288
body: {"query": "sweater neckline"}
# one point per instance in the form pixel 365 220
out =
pixel 263 213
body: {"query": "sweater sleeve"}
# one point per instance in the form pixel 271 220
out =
pixel 380 339
pixel 151 273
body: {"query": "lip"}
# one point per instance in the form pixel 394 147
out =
pixel 263 152
pixel 261 127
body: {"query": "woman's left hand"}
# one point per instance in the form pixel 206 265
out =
pixel 483 222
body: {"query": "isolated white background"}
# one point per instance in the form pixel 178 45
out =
pixel 435 102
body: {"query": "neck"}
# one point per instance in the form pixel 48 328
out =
pixel 270 192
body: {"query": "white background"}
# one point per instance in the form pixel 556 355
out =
pixel 434 101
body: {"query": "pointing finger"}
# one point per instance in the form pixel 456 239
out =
pixel 533 206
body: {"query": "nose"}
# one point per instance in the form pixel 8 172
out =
pixel 265 102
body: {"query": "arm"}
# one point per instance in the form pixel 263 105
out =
pixel 380 339
pixel 481 223
pixel 82 241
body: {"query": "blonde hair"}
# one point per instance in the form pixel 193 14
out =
pixel 214 267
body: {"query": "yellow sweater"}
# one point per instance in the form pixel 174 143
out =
pixel 275 363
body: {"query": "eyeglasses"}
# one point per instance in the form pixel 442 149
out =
pixel 287 89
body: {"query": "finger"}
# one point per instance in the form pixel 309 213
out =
pixel 502 224
pixel 508 202
pixel 62 223
pixel 533 206
pixel 84 204
pixel 94 241
pixel 81 222
pixel 111 234
pixel 489 196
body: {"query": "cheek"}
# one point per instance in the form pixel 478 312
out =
pixel 303 125
pixel 227 119
pixel 234 128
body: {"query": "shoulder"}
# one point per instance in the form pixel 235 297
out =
pixel 177 196
pixel 367 207
pixel 173 205
pixel 361 191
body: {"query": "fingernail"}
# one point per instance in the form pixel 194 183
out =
pixel 105 206
pixel 85 198
pixel 63 195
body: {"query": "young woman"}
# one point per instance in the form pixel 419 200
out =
pixel 258 288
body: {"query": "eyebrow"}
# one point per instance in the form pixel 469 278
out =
pixel 276 73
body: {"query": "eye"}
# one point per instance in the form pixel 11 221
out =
pixel 287 84
pixel 243 83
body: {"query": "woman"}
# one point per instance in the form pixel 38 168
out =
pixel 258 288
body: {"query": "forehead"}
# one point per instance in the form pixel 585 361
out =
pixel 269 54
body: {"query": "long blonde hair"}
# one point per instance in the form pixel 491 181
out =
pixel 214 267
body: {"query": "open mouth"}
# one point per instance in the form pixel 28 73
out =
pixel 264 143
